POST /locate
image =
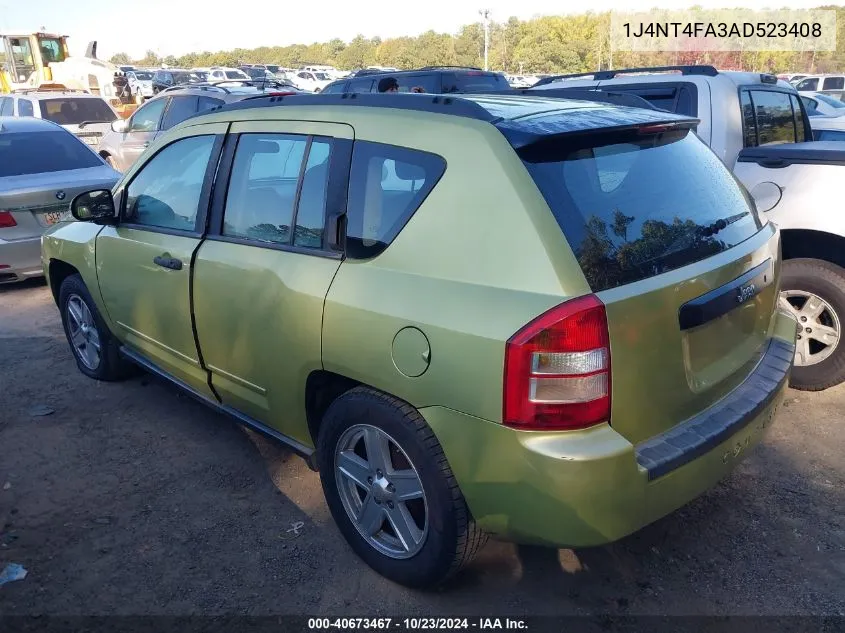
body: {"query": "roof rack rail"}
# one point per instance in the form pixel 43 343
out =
pixel 438 104
pixel 448 68
pixel 603 75
pixel 197 86
pixel 583 94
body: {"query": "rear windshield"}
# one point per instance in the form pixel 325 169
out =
pixel 76 111
pixel 143 76
pixel 23 153
pixel 640 206
pixel 473 82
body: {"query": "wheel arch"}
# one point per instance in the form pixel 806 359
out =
pixel 321 389
pixel 58 271
pixel 810 244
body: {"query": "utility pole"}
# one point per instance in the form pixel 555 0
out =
pixel 485 16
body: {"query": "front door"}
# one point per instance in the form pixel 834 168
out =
pixel 145 261
pixel 262 274
pixel 141 132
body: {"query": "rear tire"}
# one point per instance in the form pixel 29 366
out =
pixel 814 290
pixel 443 536
pixel 91 343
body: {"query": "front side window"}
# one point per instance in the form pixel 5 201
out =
pixel 25 108
pixel 180 108
pixel 387 185
pixel 166 192
pixel 267 174
pixel 51 49
pixel 76 111
pixel 146 118
pixel 833 83
pixel 23 153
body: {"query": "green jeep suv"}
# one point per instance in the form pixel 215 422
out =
pixel 549 320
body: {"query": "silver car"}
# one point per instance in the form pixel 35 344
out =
pixel 128 138
pixel 42 167
pixel 86 115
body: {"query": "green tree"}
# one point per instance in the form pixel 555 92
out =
pixel 118 59
pixel 151 58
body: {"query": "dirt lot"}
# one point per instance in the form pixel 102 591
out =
pixel 132 499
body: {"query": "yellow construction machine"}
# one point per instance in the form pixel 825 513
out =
pixel 42 61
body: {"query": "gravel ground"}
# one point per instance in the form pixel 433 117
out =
pixel 132 499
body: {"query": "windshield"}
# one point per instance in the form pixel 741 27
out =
pixel 322 76
pixel 235 74
pixel 76 111
pixel 143 76
pixel 641 206
pixel 23 153
pixel 51 49
pixel 836 103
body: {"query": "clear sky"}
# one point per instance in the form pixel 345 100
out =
pixel 179 26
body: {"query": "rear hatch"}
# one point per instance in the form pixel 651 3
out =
pixel 86 117
pixel 679 255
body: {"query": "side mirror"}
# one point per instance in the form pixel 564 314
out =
pixel 120 126
pixel 93 206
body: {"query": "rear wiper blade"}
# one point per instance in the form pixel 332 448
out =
pixel 720 224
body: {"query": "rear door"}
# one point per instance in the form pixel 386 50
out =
pixel 262 274
pixel 680 258
pixel 145 262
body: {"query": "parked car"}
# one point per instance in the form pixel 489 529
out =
pixel 259 73
pixel 141 83
pixel 739 113
pixel 42 168
pixel 433 79
pixel 85 115
pixel 828 128
pixel 820 104
pixel 224 74
pixel 311 81
pixel 280 270
pixel 128 139
pixel 169 77
pixel 820 83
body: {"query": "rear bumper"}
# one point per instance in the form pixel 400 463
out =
pixel 20 259
pixel 585 488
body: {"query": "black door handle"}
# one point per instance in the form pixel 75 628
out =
pixel 168 262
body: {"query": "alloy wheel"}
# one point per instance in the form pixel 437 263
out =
pixel 819 328
pixel 84 336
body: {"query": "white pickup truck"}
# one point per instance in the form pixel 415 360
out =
pixel 759 128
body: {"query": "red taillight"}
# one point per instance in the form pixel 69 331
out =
pixel 557 369
pixel 7 220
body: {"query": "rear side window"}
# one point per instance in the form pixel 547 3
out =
pixel 429 82
pixel 833 83
pixel 206 103
pixel 637 207
pixel 800 130
pixel 473 82
pixel 387 185
pixel 769 118
pixel 24 153
pixel 25 108
pixel 180 108
pixel 76 111
pixel 811 105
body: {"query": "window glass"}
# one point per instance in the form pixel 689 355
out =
pixel 809 85
pixel 800 130
pixel 387 185
pixel 473 81
pixel 365 84
pixel 641 206
pixel 51 50
pixel 775 120
pixel 180 108
pixel 833 102
pixel 262 187
pixel 146 118
pixel 22 55
pixel 24 153
pixel 25 108
pixel 811 106
pixel 311 210
pixel 337 87
pixel 166 191
pixel 6 106
pixel 75 111
pixel 206 103
pixel 829 135
pixel 749 123
pixel 833 83
pixel 429 82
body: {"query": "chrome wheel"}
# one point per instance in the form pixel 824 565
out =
pixel 381 491
pixel 84 337
pixel 819 328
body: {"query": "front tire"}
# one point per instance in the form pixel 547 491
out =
pixel 93 346
pixel 814 291
pixel 391 491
